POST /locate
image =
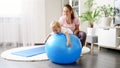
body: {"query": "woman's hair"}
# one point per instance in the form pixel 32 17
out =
pixel 71 9
pixel 55 24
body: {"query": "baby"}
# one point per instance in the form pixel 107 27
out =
pixel 56 28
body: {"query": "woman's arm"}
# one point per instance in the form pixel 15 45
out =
pixel 76 29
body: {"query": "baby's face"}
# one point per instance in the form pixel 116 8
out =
pixel 56 30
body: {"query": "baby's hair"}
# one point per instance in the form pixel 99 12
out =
pixel 55 24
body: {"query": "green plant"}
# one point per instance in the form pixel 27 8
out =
pixel 90 16
pixel 89 4
pixel 106 10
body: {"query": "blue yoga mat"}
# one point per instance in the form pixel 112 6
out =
pixel 30 52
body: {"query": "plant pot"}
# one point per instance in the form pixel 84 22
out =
pixel 105 22
pixel 90 31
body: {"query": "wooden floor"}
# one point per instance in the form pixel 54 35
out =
pixel 106 58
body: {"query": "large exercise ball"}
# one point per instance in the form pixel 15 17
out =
pixel 58 51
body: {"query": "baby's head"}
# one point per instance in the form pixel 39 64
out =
pixel 56 27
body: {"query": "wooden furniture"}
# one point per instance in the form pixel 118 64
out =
pixel 92 40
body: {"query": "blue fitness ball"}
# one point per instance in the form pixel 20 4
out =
pixel 58 51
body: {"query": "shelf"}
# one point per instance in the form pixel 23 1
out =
pixel 110 38
pixel 75 2
pixel 118 37
pixel 75 6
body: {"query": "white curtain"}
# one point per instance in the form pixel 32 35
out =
pixel 27 21
pixel 9 29
pixel 15 21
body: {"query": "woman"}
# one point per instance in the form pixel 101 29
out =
pixel 68 20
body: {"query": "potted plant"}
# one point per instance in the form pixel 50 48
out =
pixel 106 12
pixel 90 16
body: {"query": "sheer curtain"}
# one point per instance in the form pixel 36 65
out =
pixel 27 21
pixel 16 21
pixel 10 16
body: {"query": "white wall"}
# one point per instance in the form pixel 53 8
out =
pixel 53 9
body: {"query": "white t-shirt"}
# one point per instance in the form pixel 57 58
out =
pixel 63 30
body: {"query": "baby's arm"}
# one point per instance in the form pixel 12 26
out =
pixel 47 38
pixel 68 39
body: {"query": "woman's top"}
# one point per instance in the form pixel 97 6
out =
pixel 63 30
pixel 63 22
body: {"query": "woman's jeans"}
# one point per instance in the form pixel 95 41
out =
pixel 82 36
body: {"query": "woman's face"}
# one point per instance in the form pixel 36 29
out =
pixel 66 12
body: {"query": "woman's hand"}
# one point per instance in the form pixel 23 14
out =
pixel 75 32
pixel 76 29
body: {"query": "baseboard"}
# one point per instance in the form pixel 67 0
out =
pixel 39 44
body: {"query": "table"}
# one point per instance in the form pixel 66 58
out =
pixel 92 40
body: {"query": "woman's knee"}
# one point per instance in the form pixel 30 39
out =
pixel 82 36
